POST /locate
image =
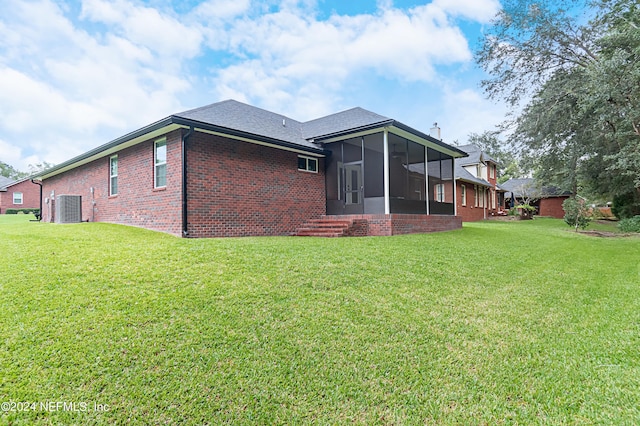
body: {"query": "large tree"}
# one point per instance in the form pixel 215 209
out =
pixel 576 66
pixel 9 171
pixel 490 142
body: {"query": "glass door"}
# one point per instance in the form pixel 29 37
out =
pixel 353 188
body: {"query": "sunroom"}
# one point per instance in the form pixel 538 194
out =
pixel 389 170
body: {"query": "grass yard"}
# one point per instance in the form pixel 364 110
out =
pixel 500 322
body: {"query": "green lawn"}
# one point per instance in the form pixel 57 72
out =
pixel 500 322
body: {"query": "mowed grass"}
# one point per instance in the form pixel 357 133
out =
pixel 513 323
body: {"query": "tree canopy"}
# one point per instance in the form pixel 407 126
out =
pixel 575 65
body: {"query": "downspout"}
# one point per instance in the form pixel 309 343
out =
pixel 39 215
pixel 185 229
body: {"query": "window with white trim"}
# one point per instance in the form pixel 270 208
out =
pixel 475 196
pixel 307 164
pixel 463 194
pixel 113 175
pixel 160 163
pixel 439 192
pixel 17 198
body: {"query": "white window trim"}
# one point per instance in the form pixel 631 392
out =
pixel 111 176
pixel 463 195
pixel 156 164
pixel 307 159
pixel 21 198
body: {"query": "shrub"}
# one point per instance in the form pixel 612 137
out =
pixel 576 213
pixel 23 211
pixel 626 206
pixel 630 225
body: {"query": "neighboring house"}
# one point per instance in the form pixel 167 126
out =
pixel 231 169
pixel 18 194
pixel 478 194
pixel 546 199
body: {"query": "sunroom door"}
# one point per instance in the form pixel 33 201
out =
pixel 353 188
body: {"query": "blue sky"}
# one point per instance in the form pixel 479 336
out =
pixel 77 74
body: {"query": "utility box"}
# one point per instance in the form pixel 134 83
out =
pixel 68 209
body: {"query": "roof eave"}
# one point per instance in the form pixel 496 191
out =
pixel 329 136
pixel 246 135
pixel 159 128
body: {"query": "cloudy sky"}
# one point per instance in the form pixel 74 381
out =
pixel 75 74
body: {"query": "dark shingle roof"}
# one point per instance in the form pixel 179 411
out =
pixel 350 120
pixel 462 174
pixel 245 118
pixel 518 186
pixel 4 182
pixel 476 155
pixel 245 121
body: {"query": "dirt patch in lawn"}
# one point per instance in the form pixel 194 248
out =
pixel 606 234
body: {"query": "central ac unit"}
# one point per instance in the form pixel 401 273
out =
pixel 68 209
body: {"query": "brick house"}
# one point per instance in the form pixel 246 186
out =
pixel 231 169
pixel 478 193
pixel 546 199
pixel 18 194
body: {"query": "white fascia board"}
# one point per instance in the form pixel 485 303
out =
pixel 346 136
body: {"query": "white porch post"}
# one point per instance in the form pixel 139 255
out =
pixel 426 177
pixel 387 208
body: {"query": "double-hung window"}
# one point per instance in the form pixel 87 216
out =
pixel 160 163
pixel 17 198
pixel 308 164
pixel 463 194
pixel 113 175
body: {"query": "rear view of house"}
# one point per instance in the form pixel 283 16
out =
pixel 231 169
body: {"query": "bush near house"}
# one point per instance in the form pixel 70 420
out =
pixel 23 211
pixel 630 225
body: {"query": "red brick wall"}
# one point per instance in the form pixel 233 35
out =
pixel 137 202
pixel 399 224
pixel 237 188
pixel 30 196
pixel 470 213
pixel 552 207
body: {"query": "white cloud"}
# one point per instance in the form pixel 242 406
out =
pixel 477 10
pixel 69 83
pixel 146 26
pixel 221 9
pixel 467 111
pixel 287 50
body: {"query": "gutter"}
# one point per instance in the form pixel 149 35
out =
pixel 39 215
pixel 185 228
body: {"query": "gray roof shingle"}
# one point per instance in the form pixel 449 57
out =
pixel 462 174
pixel 245 118
pixel 476 155
pixel 519 186
pixel 350 120
pixel 4 182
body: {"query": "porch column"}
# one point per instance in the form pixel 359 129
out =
pixel 426 177
pixel 387 208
